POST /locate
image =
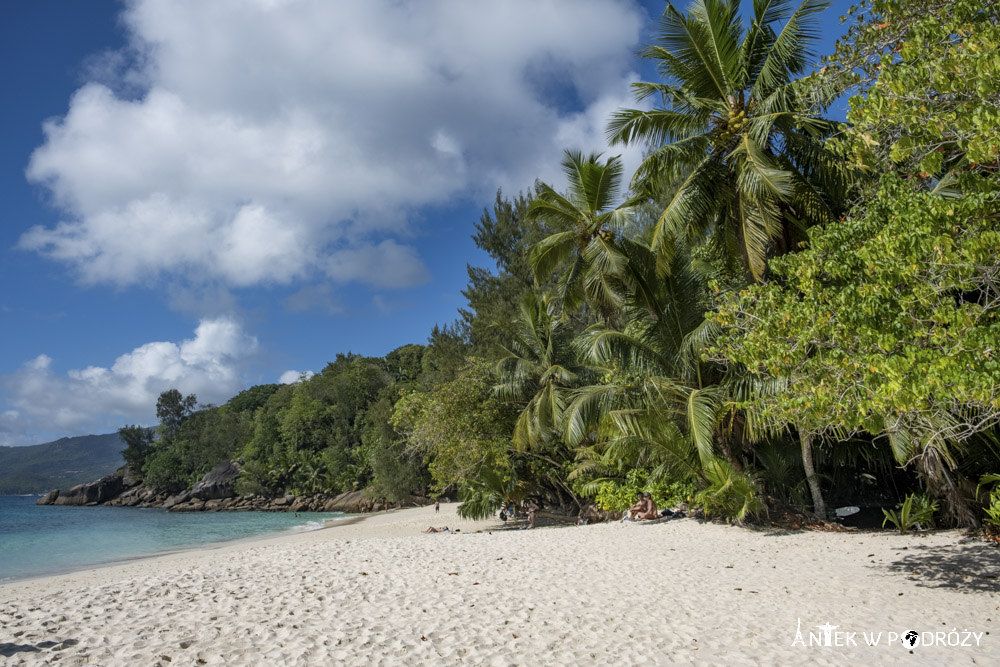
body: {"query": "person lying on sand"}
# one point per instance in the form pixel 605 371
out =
pixel 432 529
pixel 649 512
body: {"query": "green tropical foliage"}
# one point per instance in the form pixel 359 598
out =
pixel 924 76
pixel 464 433
pixel 916 511
pixel 886 324
pixel 779 311
pixel 537 373
pixel 619 495
pixel 731 493
pixel 507 236
pixel 139 442
pixel 744 153
pixel 581 252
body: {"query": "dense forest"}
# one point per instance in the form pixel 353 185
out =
pixel 776 310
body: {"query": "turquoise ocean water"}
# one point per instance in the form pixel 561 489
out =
pixel 38 540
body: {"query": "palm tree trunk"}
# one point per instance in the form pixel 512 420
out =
pixel 727 450
pixel 819 505
pixel 941 482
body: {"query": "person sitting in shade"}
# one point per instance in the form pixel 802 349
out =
pixel 636 509
pixel 649 510
pixel 532 508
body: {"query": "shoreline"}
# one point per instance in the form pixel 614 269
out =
pixel 203 546
pixel 379 590
pixel 382 526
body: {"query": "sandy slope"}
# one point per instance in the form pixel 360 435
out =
pixel 380 592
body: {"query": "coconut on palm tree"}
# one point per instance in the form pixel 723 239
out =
pixel 729 133
pixel 582 255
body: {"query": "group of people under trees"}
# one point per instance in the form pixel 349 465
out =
pixel 512 510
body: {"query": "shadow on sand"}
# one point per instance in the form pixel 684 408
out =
pixel 10 650
pixel 963 567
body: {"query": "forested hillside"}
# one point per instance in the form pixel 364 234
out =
pixel 60 464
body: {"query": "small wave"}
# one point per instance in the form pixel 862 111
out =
pixel 310 525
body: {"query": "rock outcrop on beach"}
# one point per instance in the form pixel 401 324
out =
pixel 102 492
pixel 49 498
pixel 352 502
pixel 94 493
pixel 216 492
pixel 358 502
pixel 219 483
pixel 138 495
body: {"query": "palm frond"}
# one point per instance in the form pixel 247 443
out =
pixel 788 53
pixel 702 417
pixel 550 253
pixel 691 41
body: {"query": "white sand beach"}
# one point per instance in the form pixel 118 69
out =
pixel 381 592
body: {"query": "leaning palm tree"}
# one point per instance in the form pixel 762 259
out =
pixel 741 151
pixel 582 253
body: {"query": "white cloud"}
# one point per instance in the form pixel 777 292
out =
pixel 102 398
pixel 292 377
pixel 251 142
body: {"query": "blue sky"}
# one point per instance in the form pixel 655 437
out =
pixel 213 195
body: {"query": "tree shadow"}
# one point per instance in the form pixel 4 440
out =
pixel 779 532
pixel 963 567
pixel 10 650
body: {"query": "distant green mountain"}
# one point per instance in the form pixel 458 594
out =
pixel 60 464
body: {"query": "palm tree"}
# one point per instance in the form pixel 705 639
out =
pixel 654 406
pixel 536 372
pixel 659 405
pixel 730 134
pixel 583 251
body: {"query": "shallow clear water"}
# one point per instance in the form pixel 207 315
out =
pixel 45 539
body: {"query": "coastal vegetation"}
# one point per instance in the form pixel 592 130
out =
pixel 777 311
